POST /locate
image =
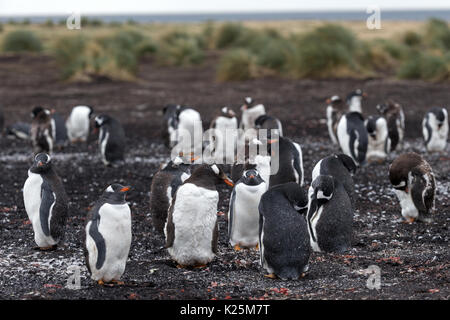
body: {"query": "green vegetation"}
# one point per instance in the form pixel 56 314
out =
pixel 21 41
pixel 244 50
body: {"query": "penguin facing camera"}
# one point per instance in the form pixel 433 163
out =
pixel 353 137
pixel 330 215
pixel 191 229
pixel 111 139
pixel 108 236
pixel 435 129
pixel 41 130
pixel 78 123
pixel 164 185
pixel 379 144
pixel 283 232
pixel 393 113
pixel 341 167
pixel 46 202
pixel 243 214
pixel 354 100
pixel 224 136
pixel 334 113
pixel 415 186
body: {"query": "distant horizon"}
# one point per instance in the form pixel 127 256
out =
pixel 226 12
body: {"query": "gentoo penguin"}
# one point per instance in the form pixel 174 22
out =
pixel 353 137
pixel 250 112
pixel 41 130
pixel 78 123
pixel 435 129
pixel 393 113
pixel 283 232
pixel 59 130
pixel 414 184
pixel 243 214
pixel 334 113
pixel 330 215
pixel 269 123
pixel 111 139
pixel 170 123
pixel 290 161
pixel 108 235
pixel 191 229
pixel 379 144
pixel 225 136
pixel 19 130
pixel 184 128
pixel 46 202
pixel 354 100
pixel 341 167
pixel 165 183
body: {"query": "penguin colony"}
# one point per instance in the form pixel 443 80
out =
pixel 272 213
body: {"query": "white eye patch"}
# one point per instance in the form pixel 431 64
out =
pixel 248 100
pixel 215 169
pixel 320 195
pixel 48 158
pixel 110 189
pixel 224 109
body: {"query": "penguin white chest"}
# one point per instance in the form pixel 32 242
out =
pixel 78 123
pixel 194 218
pixel 115 228
pixel 32 199
pixel 103 141
pixel 409 210
pixel 244 218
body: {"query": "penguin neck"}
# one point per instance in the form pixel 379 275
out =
pixel 203 177
pixel 113 198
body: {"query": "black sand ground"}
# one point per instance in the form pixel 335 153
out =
pixel 414 259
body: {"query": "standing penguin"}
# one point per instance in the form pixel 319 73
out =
pixel 78 123
pixel 111 139
pixel 250 112
pixel 341 167
pixel 352 136
pixel 164 186
pixel 393 113
pixel 243 214
pixel 414 184
pixel 108 235
pixel 435 129
pixel 225 136
pixel 191 229
pixel 379 143
pixel 330 215
pixel 45 202
pixel 354 100
pixel 59 130
pixel 41 131
pixel 290 161
pixel 334 113
pixel 269 123
pixel 283 232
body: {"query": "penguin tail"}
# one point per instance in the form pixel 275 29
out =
pixel 289 273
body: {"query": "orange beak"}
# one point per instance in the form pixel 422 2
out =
pixel 40 164
pixel 364 95
pixel 272 141
pixel 229 182
pixel 328 100
pixel 193 159
pixel 124 189
pixel 252 176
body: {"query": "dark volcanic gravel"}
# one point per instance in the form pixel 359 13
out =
pixel 413 259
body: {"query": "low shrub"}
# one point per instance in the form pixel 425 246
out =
pixel 20 41
pixel 228 34
pixel 425 66
pixel 235 65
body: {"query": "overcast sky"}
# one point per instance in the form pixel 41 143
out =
pixel 43 7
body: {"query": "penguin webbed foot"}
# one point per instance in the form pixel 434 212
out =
pixel 50 248
pixel 271 276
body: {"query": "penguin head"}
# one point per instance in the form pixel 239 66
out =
pixel 357 94
pixel 382 108
pixel 334 101
pixel 294 194
pixel 439 114
pixel 251 177
pixel 320 192
pixel 116 191
pixel 227 112
pixel 42 162
pixel 220 175
pixel 248 102
pixel 371 125
pixel 347 161
pixel 37 111
pixel 100 120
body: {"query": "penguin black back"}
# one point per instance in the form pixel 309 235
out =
pixel 357 132
pixel 111 138
pixel 290 163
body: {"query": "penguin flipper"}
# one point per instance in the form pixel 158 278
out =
pixel 422 192
pixel 215 236
pixel 48 200
pixel 170 226
pixel 99 241
pixel 298 163
pixel 231 212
